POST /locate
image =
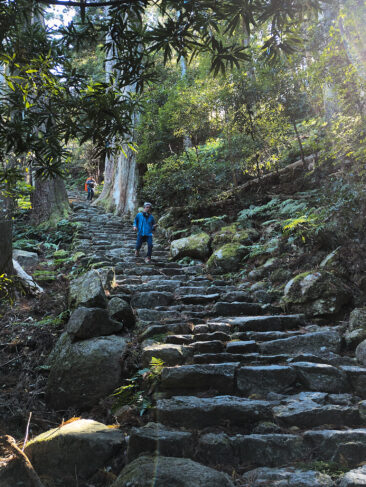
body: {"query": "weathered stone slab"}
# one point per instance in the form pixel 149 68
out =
pixel 354 478
pixel 327 444
pixel 317 342
pixel 87 290
pixel 120 310
pixel 159 439
pixel 219 377
pixel 169 472
pixel 84 372
pixel 261 450
pixel 91 322
pixel 286 477
pixel 241 346
pixel 199 412
pixel 357 378
pixel 322 377
pixel 265 378
pixel 170 354
pixel 25 258
pixel 234 309
pixel 82 446
pixel 151 299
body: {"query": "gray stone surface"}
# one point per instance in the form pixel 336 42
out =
pixel 120 310
pixel 286 477
pixel 84 372
pixel 322 377
pixel 149 471
pixel 329 445
pixel 317 342
pixel 354 478
pixel 81 446
pixel 87 290
pixel 235 309
pixel 199 412
pixel 159 439
pixel 260 450
pixel 361 352
pixel 219 377
pixel 91 322
pixel 265 378
pixel 169 353
pixel 151 299
pixel 196 246
pixel 316 293
pixel 25 258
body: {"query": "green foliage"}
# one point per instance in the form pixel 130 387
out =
pixel 188 179
pixel 138 389
pixel 6 289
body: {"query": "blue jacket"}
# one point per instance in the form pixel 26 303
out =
pixel 144 224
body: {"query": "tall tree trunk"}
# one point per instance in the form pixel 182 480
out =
pixel 6 236
pixel 330 99
pixel 49 201
pixel 120 173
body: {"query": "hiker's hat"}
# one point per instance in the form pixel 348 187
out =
pixel 147 204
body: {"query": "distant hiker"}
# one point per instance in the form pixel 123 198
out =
pixel 90 184
pixel 144 225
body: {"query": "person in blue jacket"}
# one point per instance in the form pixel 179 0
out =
pixel 144 225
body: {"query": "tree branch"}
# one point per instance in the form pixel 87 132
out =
pixel 82 4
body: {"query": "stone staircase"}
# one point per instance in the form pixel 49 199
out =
pixel 245 390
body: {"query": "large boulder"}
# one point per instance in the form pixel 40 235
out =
pixel 316 294
pixel 196 246
pixel 87 290
pixel 227 258
pixel 120 310
pixel 80 447
pixel 232 233
pixel 356 329
pixel 361 352
pixel 25 258
pixel 84 372
pixel 91 322
pixel 354 478
pixel 147 471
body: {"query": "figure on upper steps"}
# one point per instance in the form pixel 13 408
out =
pixel 90 185
pixel 144 225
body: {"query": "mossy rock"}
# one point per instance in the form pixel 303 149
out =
pixel 212 224
pixel 45 276
pixel 196 246
pixel 316 294
pixel 78 255
pixel 227 258
pixel 61 254
pixel 232 233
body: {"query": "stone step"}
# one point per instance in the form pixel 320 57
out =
pixel 309 410
pixel 222 308
pixel 201 412
pixel 216 377
pixel 340 446
pixel 199 298
pixel 264 323
pixel 219 448
pixel 320 341
pixel 255 379
pixel 247 358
